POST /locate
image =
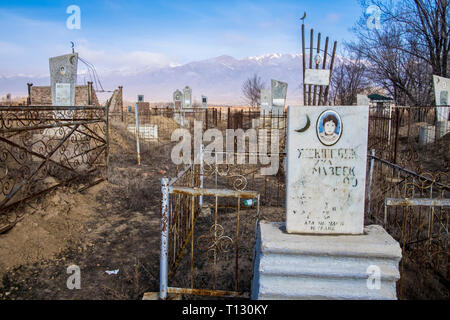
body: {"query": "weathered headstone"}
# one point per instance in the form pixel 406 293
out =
pixel 278 96
pixel 63 78
pixel 323 251
pixel 265 102
pixel 187 98
pixel 441 93
pixel 326 169
pixel 177 100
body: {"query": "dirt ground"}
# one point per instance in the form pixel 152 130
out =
pixel 113 225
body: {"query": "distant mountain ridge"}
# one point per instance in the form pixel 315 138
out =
pixel 219 78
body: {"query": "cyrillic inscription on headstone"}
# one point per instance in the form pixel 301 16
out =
pixel 326 169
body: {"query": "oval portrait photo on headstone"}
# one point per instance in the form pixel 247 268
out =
pixel 329 127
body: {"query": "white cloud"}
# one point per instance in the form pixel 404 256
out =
pixel 127 63
pixel 332 18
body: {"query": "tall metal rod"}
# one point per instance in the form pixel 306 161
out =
pixel 372 163
pixel 317 67
pixel 310 64
pixel 331 72
pixel 107 140
pixel 215 241
pixel 323 67
pixel 304 63
pixel 192 240
pixel 236 288
pixel 138 146
pixel 164 257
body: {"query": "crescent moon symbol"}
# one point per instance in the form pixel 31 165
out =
pixel 306 127
pixel 71 59
pixel 304 16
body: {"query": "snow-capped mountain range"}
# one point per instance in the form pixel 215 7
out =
pixel 220 79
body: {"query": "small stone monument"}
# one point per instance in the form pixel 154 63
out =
pixel 187 98
pixel 204 102
pixel 326 170
pixel 278 96
pixel 177 100
pixel 441 92
pixel 265 103
pixel 63 78
pixel 323 251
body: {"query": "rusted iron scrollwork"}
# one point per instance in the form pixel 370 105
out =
pixel 215 242
pixel 44 147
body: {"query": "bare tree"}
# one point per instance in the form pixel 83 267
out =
pixel 349 78
pixel 410 46
pixel 252 90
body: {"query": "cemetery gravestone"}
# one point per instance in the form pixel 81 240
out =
pixel 265 102
pixel 177 99
pixel 323 251
pixel 278 96
pixel 204 102
pixel 441 90
pixel 187 98
pixel 326 169
pixel 63 78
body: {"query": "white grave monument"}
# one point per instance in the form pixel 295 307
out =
pixel 441 92
pixel 278 96
pixel 204 102
pixel 323 251
pixel 265 102
pixel 326 170
pixel 187 98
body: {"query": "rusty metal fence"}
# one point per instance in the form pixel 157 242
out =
pixel 43 147
pixel 201 230
pixel 414 210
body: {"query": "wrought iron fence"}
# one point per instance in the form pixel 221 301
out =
pixel 414 209
pixel 212 237
pixel 43 147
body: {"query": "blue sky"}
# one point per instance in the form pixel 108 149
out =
pixel 130 35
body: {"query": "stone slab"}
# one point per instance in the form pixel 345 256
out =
pixel 63 79
pixel 290 266
pixel 326 173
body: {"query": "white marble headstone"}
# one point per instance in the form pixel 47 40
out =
pixel 326 169
pixel 187 97
pixel 441 92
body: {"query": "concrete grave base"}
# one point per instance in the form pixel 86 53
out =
pixel 294 266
